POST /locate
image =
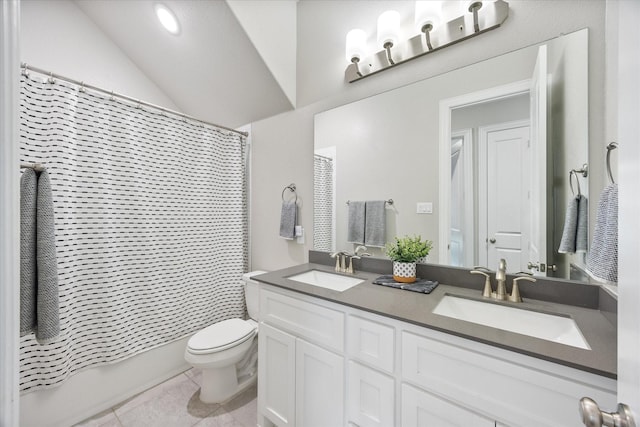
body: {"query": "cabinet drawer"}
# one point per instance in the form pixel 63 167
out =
pixel 509 389
pixel 370 397
pixel 422 409
pixel 313 322
pixel 371 343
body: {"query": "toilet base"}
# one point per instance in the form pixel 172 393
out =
pixel 219 385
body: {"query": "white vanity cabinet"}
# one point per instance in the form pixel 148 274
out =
pixel 326 364
pixel 301 382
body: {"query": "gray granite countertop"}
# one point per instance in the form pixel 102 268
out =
pixel 417 308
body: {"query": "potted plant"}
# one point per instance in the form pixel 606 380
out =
pixel 404 253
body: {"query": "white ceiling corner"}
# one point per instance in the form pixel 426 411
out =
pixel 211 70
pixel 272 28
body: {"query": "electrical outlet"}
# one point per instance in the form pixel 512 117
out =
pixel 424 207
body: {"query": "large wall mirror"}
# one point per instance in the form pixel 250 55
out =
pixel 476 160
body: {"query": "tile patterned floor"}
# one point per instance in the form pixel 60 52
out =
pixel 175 403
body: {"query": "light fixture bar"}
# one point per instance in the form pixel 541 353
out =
pixel 456 30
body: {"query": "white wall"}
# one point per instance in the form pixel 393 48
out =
pixel 57 36
pixel 283 145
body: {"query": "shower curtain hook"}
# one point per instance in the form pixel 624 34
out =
pixel 82 89
pixel 25 70
pixel 111 98
pixel 51 80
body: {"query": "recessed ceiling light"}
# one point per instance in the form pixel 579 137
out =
pixel 167 18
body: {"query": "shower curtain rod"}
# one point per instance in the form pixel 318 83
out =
pixel 322 157
pixel 52 76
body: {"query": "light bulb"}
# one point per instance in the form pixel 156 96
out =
pixel 356 44
pixel 388 28
pixel 428 13
pixel 167 19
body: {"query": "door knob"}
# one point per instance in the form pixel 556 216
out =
pixel 592 416
pixel 492 240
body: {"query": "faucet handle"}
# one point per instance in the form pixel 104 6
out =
pixel 486 292
pixel 350 269
pixel 515 291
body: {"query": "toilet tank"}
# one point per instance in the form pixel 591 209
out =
pixel 251 293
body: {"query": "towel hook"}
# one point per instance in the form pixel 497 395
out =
pixel 610 147
pixel 291 188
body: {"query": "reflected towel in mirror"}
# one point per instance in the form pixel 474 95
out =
pixel 575 232
pixel 375 228
pixel 356 222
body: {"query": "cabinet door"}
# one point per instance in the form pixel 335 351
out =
pixel 422 409
pixel 276 376
pixel 319 386
pixel 371 342
pixel 370 397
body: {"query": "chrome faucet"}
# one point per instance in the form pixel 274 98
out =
pixel 501 281
pixel 340 261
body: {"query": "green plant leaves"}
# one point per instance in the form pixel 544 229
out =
pixel 408 249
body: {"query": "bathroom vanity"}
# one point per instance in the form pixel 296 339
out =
pixel 376 356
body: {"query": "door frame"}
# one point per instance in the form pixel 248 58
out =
pixel 446 106
pixel 10 213
pixel 469 148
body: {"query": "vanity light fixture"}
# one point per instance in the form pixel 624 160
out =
pixel 167 18
pixel 434 33
pixel 428 16
pixel 388 32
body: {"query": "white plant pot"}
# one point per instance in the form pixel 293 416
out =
pixel 404 272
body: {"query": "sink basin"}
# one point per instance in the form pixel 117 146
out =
pixel 546 326
pixel 326 280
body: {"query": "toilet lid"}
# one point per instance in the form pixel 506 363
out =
pixel 221 336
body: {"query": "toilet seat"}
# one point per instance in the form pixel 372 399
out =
pixel 221 336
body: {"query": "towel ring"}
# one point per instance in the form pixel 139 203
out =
pixel 573 173
pixel 610 147
pixel 292 188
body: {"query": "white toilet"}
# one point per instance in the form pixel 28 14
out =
pixel 227 351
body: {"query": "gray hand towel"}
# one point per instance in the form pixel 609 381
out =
pixel 582 234
pixel 602 259
pixel 568 241
pixel 355 226
pixel 48 323
pixel 28 270
pixel 288 217
pixel 375 223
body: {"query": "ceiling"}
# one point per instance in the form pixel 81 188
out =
pixel 211 70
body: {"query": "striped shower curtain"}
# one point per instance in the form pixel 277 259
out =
pixel 323 204
pixel 150 222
